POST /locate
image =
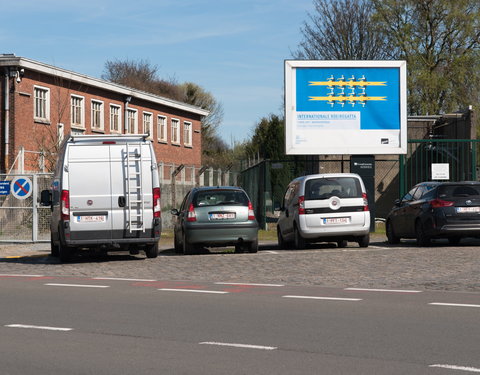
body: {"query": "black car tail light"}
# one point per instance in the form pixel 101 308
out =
pixel 437 203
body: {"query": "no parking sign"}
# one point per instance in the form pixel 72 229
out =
pixel 21 187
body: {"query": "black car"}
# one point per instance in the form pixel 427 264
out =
pixel 436 210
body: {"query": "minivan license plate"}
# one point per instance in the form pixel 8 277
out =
pixel 336 220
pixel 91 219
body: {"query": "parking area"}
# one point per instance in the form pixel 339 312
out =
pixel 438 267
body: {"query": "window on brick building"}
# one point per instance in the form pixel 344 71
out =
pixel 187 133
pixel 132 127
pixel 115 118
pixel 42 103
pixel 162 129
pixel 97 115
pixel 175 131
pixel 147 124
pixel 77 111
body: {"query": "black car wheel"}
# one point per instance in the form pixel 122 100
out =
pixel 177 245
pixel 253 246
pixel 454 240
pixel 422 238
pixel 391 237
pixel 188 248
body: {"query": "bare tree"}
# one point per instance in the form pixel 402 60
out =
pixel 341 30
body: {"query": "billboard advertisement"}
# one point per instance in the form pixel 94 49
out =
pixel 345 107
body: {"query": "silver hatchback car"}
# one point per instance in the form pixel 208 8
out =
pixel 324 208
pixel 213 217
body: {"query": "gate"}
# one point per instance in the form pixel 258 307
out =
pixel 22 219
pixel 416 165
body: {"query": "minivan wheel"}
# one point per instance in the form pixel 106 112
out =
pixel 342 243
pixel 188 248
pixel 54 251
pixel 299 240
pixel 364 241
pixel 151 251
pixel 422 238
pixel 65 253
pixel 392 239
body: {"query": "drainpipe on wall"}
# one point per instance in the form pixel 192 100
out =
pixel 6 108
pixel 128 99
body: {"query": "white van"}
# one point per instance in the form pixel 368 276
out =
pixel 105 194
pixel 324 208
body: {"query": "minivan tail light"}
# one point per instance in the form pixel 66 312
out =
pixel 156 203
pixel 301 205
pixel 191 215
pixel 251 213
pixel 365 202
pixel 437 203
pixel 65 205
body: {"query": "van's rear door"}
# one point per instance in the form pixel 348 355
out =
pixel 90 190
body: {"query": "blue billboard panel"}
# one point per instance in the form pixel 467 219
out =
pixel 345 107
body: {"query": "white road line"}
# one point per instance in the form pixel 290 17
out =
pixel 18 275
pixel 270 252
pixel 325 298
pixel 79 285
pixel 193 291
pixel 249 284
pixel 460 368
pixel 38 327
pixel 384 290
pixel 239 345
pixel 121 279
pixel 453 304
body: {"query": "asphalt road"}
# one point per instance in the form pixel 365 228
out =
pixel 82 325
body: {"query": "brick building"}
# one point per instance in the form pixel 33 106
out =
pixel 41 104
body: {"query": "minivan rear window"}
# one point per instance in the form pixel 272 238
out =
pixel 458 191
pixel 220 197
pixel 324 188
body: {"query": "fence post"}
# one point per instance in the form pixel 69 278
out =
pixel 34 208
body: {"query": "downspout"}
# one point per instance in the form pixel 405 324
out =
pixel 125 115
pixel 6 107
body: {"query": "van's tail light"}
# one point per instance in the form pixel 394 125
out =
pixel 251 213
pixel 365 202
pixel 437 203
pixel 156 202
pixel 65 205
pixel 301 205
pixel 191 215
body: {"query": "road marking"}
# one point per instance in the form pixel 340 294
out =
pixel 38 327
pixel 193 291
pixel 384 290
pixel 121 279
pixel 270 252
pixel 239 345
pixel 249 284
pixel 79 285
pixel 325 298
pixel 453 304
pixel 18 275
pixel 460 368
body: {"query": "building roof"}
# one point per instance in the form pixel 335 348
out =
pixel 10 60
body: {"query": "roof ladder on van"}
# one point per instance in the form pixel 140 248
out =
pixel 135 202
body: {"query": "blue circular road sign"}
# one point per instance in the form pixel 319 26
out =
pixel 21 187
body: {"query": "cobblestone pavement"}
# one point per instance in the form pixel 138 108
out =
pixel 439 267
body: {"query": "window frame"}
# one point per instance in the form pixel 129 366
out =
pixel 187 133
pixel 119 124
pixel 175 136
pixel 150 115
pixel 81 124
pixel 161 125
pixel 46 108
pixel 101 126
pixel 133 111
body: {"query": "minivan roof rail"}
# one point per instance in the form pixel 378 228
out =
pixel 106 137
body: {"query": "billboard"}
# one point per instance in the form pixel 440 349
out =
pixel 345 107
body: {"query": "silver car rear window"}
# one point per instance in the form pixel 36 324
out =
pixel 220 197
pixel 324 188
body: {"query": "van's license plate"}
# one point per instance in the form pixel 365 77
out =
pixel 91 219
pixel 336 220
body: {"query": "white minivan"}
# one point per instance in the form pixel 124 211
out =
pixel 324 208
pixel 105 194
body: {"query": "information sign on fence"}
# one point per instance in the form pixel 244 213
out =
pixel 4 187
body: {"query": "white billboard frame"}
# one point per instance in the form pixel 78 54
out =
pixel 347 137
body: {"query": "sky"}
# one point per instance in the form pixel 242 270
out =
pixel 234 49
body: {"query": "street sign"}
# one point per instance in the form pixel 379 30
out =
pixel 4 187
pixel 21 187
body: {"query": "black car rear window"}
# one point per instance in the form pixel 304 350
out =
pixel 458 191
pixel 220 197
pixel 324 188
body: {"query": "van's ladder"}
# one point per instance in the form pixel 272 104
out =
pixel 135 202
